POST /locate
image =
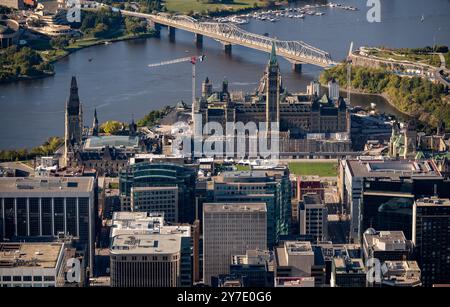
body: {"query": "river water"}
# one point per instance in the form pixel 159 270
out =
pixel 119 84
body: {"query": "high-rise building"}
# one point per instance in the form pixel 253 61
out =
pixel 431 238
pixel 230 229
pixel 74 120
pixel 271 187
pixel 156 199
pixel 140 223
pixel 37 207
pixel 145 260
pixel 380 194
pixel 312 218
pixel 165 179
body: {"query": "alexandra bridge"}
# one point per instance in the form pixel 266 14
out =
pixel 296 52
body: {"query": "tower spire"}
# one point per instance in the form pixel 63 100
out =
pixel 273 55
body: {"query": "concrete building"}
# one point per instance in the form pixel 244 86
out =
pixel 256 268
pixel 230 229
pixel 47 208
pixel 162 177
pixel 145 260
pixel 143 223
pixel 271 187
pixel 156 199
pixel 401 274
pixel 380 194
pixel 294 259
pixel 386 245
pixel 431 238
pixel 348 272
pixel 312 217
pixel 32 264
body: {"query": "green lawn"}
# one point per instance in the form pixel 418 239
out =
pixel 243 167
pixel 186 6
pixel 322 169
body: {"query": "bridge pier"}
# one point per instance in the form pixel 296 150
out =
pixel 156 27
pixel 171 33
pixel 198 40
pixel 227 48
pixel 297 67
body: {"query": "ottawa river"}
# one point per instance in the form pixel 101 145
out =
pixel 119 84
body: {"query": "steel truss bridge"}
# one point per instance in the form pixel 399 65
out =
pixel 296 52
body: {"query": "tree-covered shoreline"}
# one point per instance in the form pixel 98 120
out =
pixel 415 96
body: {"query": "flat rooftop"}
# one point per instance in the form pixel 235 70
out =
pixel 146 244
pixel 250 176
pixel 312 199
pixel 234 207
pixel 29 255
pixel 345 265
pixel 432 202
pixel 298 248
pixel 117 141
pixel 386 240
pixel 58 185
pixel 393 169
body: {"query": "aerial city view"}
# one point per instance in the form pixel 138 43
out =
pixel 212 144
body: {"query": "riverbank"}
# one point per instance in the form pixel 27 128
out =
pixel 413 96
pixel 195 7
pixel 52 56
pixel 89 42
pixel 384 96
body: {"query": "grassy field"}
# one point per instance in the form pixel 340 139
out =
pixel 187 6
pixel 243 167
pixel 322 169
pixel 430 59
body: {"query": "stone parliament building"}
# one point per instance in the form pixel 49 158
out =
pixel 308 121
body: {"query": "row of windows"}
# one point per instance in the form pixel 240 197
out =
pixel 28 278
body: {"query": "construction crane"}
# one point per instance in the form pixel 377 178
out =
pixel 194 60
pixel 349 74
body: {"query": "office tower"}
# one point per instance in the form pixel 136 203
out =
pixel 156 199
pixel 140 223
pixel 32 264
pixel 256 268
pixel 431 238
pixel 380 194
pixel 230 229
pixel 37 207
pixel 271 187
pixel 145 260
pixel 312 218
pixel 386 245
pixel 160 177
